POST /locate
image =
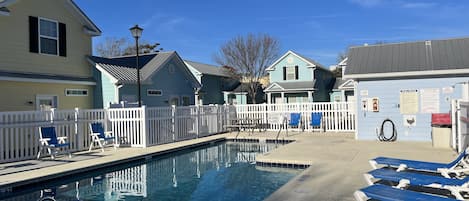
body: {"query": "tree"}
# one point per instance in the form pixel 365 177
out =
pixel 113 47
pixel 249 56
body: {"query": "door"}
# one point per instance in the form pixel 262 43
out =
pixel 46 102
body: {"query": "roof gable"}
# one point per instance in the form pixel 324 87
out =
pixel 207 69
pixel 310 62
pixel 422 58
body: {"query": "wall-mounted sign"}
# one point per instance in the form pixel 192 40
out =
pixel 375 104
pixel 409 101
pixel 430 100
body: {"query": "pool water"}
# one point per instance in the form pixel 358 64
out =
pixel 221 171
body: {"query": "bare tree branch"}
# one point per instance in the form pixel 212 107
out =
pixel 249 56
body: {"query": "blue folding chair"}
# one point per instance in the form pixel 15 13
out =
pixel 456 167
pixel 316 120
pixel 388 193
pixel 100 136
pixel 405 179
pixel 48 139
pixel 295 120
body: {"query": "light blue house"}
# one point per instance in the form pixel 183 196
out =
pixel 296 79
pixel 405 83
pixel 165 80
pixel 239 95
pixel 214 81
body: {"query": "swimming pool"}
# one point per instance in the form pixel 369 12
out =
pixel 220 171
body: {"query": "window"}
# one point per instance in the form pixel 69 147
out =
pixel 154 92
pixel 46 102
pixel 48 37
pixel 76 92
pixel 291 75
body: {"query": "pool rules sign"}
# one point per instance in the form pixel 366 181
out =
pixel 430 100
pixel 409 101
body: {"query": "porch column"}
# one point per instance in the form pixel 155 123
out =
pixel 269 98
pixel 282 95
pixel 310 96
pixel 225 97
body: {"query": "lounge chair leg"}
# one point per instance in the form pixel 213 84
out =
pixel 368 179
pixel 456 191
pixel 401 167
pixel 91 146
pixel 39 152
pixel 373 164
pixel 403 183
pixel 101 145
pixel 360 196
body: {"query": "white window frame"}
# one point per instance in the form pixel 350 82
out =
pixel 66 90
pixel 47 37
pixel 148 94
pixel 54 98
pixel 287 72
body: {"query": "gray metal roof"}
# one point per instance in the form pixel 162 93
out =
pixel 293 86
pixel 448 54
pixel 124 68
pixel 209 69
pixel 45 76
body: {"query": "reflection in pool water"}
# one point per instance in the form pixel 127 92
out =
pixel 223 171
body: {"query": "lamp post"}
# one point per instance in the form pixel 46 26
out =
pixel 137 33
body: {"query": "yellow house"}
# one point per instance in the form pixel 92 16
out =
pixel 43 51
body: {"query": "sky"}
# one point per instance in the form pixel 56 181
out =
pixel 316 29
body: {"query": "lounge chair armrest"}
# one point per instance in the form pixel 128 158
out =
pixel 61 139
pixel 44 141
pixel 108 133
pixel 95 134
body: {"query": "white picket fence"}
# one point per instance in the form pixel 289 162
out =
pixel 143 127
pixel 337 116
pixel 134 127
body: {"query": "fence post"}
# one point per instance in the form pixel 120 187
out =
pixel 143 131
pixel 217 119
pixel 173 113
pixel 264 107
pixel 78 132
pixel 197 120
pixel 52 115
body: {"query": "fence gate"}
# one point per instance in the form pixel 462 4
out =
pixel 462 124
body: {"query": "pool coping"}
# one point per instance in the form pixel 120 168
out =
pixel 9 185
pixel 142 154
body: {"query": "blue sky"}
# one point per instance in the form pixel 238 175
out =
pixel 317 29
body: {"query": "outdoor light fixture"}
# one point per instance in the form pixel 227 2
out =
pixel 137 33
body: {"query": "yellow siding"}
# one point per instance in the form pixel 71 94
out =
pixel 14 40
pixel 16 95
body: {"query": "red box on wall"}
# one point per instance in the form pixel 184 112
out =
pixel 441 119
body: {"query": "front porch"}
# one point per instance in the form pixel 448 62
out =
pixel 289 97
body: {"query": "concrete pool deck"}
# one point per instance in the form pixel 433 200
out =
pixel 337 162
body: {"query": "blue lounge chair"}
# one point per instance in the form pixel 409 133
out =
pixel 316 120
pixel 405 179
pixel 48 139
pixel 456 167
pixel 295 120
pixel 100 136
pixel 388 193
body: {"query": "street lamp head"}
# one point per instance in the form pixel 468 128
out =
pixel 136 31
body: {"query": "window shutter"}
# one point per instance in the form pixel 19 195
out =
pixel 284 73
pixel 33 35
pixel 62 40
pixel 296 72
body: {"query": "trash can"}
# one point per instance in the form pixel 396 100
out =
pixel 441 130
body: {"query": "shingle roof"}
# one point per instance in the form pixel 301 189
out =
pixel 209 69
pixel 292 86
pixel 434 55
pixel 124 68
pixel 45 76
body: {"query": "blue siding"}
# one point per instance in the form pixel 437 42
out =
pixel 105 90
pixel 388 92
pixel 303 71
pixel 324 83
pixel 173 85
pixel 212 88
